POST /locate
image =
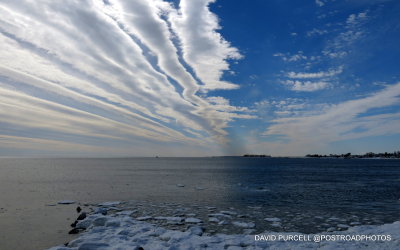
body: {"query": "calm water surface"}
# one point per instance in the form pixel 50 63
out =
pixel 308 193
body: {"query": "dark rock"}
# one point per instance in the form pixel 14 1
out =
pixel 66 202
pixel 82 216
pixel 78 209
pixel 74 231
pixel 74 224
pixel 66 244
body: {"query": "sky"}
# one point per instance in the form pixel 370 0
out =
pixel 199 77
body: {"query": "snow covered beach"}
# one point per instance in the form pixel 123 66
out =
pixel 109 226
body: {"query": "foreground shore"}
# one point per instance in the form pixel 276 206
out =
pixel 109 226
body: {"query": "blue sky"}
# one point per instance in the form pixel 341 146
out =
pixel 199 77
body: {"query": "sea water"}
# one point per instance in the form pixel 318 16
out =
pixel 281 194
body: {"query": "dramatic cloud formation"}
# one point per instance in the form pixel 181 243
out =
pixel 83 72
pixel 162 77
pixel 345 121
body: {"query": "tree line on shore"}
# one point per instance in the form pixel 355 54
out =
pixel 395 154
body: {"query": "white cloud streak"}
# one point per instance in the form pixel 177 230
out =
pixel 204 49
pixel 306 86
pixel 321 74
pixel 319 3
pixel 117 70
pixel 344 121
pixel 291 58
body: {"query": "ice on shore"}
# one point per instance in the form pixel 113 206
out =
pixel 213 219
pixel 172 219
pixel 342 226
pixel 142 218
pixel 220 215
pixel 120 231
pixel 192 220
pixel 244 224
pixel 66 202
pixel 272 219
pixel 109 203
pixel 228 212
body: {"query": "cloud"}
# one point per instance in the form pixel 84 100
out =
pixel 321 74
pixel 305 86
pixel 320 3
pixel 310 81
pixel 356 19
pixel 316 31
pixel 353 31
pixel 115 70
pixel 203 48
pixel 291 58
pixel 343 121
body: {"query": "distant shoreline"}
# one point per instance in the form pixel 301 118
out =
pixel 370 155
